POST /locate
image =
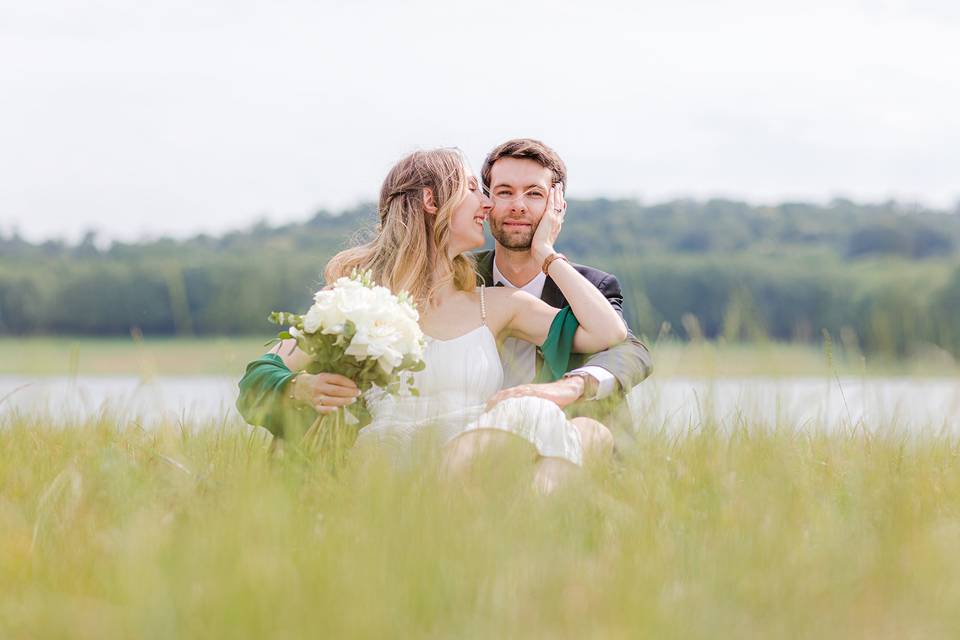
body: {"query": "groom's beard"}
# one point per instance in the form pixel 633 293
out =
pixel 515 240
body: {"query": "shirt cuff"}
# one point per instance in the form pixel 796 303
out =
pixel 606 381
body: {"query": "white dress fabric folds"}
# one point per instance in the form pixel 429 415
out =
pixel 460 376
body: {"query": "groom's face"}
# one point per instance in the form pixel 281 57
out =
pixel 518 189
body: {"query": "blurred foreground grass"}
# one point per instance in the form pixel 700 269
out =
pixel 228 355
pixel 112 531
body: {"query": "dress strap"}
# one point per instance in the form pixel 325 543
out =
pixel 483 306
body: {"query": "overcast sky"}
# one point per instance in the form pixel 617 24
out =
pixel 180 116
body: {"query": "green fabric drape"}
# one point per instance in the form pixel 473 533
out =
pixel 557 347
pixel 262 402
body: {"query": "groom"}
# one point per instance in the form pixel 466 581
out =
pixel 518 175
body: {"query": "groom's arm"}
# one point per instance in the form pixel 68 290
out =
pixel 623 366
pixel 616 370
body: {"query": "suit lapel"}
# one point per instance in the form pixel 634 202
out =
pixel 485 267
pixel 552 294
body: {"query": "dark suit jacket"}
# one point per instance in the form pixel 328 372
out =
pixel 629 361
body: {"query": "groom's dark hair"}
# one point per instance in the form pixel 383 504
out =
pixel 527 149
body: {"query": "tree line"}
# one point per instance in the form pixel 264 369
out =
pixel 885 276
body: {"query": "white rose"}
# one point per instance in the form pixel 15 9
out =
pixel 411 333
pixel 313 319
pixel 324 315
pixel 389 360
pixel 354 304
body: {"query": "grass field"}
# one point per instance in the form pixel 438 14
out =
pixel 114 532
pixel 227 356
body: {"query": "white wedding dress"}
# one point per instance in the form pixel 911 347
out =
pixel 461 374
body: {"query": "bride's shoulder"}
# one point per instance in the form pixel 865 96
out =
pixel 504 291
pixel 506 295
pixel 495 292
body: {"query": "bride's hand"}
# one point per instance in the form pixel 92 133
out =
pixel 549 228
pixel 325 392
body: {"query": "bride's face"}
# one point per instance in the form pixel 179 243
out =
pixel 466 221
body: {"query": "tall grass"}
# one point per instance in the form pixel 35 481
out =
pixel 201 531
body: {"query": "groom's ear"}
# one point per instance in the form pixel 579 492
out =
pixel 428 203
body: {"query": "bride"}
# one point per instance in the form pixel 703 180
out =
pixel 431 212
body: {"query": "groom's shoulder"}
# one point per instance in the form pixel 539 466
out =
pixel 596 276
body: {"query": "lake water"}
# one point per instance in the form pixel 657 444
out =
pixel 672 403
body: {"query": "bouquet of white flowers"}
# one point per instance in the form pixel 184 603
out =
pixel 361 331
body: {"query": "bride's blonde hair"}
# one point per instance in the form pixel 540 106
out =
pixel 409 251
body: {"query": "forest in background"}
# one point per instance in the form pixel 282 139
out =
pixel 882 278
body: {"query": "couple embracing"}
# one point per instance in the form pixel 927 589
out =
pixel 514 336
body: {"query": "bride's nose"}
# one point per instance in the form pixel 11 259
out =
pixel 486 203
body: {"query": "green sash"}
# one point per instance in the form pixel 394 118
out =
pixel 557 347
pixel 262 401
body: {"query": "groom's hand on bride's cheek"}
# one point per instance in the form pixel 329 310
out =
pixel 563 392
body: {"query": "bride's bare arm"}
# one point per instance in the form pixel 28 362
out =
pixel 600 326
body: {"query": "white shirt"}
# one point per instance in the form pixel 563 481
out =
pixel 520 358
